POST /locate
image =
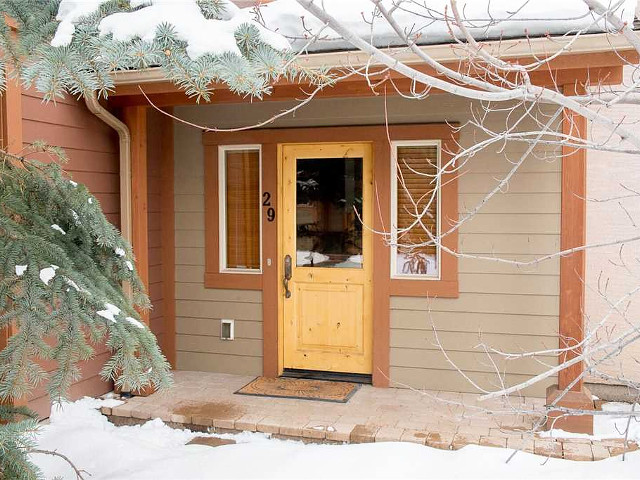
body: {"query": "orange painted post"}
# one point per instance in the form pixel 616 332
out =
pixel 168 240
pixel 136 119
pixel 573 233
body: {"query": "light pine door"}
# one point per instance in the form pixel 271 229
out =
pixel 326 263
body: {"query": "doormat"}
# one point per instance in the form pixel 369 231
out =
pixel 300 388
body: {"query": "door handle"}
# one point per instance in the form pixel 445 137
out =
pixel 287 276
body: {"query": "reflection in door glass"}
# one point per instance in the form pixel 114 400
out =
pixel 328 205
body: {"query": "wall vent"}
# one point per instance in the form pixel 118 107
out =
pixel 226 329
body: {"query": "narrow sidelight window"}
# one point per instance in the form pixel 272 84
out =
pixel 415 214
pixel 240 221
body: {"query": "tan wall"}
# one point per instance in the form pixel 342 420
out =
pixel 92 148
pixel 612 272
pixel 514 308
pixel 154 198
pixel 199 309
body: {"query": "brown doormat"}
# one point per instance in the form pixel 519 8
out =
pixel 300 388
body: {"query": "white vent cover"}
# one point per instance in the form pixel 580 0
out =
pixel 226 329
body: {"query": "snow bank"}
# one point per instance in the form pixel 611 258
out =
pixel 521 18
pixel 155 451
pixel 203 36
pixel 607 426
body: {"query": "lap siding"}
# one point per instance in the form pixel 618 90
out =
pixel 92 149
pixel 513 307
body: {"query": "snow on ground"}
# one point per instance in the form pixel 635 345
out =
pixel 156 451
pixel 613 425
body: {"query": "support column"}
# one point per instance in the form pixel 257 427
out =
pixel 136 120
pixel 168 239
pixel 573 233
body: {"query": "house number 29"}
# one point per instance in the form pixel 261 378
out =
pixel 266 202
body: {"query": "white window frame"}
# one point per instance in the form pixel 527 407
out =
pixel 222 206
pixel 394 210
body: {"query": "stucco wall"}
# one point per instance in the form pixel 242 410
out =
pixel 612 272
pixel 92 148
pixel 515 309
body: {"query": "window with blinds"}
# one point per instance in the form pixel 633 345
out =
pixel 415 209
pixel 239 173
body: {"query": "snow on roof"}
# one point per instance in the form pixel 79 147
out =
pixel 486 19
pixel 288 24
pixel 203 36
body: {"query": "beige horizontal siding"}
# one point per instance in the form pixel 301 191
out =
pixel 417 320
pixel 451 380
pixel 189 273
pixel 523 203
pixel 199 309
pixel 488 244
pixel 512 307
pixel 521 183
pixel 210 309
pixel 211 328
pixel 510 223
pixel 482 303
pixel 509 284
pixel 196 291
pixel 222 363
pixel 475 265
pixel 466 361
pixel 250 347
pixel 467 341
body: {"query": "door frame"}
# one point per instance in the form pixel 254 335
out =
pixel 367 240
pixel 269 281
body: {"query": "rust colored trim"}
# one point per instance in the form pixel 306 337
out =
pixel 136 120
pixel 383 286
pixel 605 67
pixel 213 278
pixel 168 240
pixel 381 262
pixel 13 105
pixel 573 233
pixel 447 285
pixel 375 133
pixel 13 142
pixel 237 281
pixel 270 261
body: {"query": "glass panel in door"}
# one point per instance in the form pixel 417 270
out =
pixel 328 210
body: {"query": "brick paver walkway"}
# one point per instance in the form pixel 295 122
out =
pixel 206 402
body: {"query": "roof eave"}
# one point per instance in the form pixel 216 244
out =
pixel 444 53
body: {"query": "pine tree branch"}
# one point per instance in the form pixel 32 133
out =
pixel 55 453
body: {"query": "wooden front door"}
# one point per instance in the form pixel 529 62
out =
pixel 326 263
